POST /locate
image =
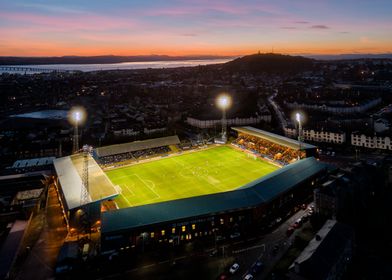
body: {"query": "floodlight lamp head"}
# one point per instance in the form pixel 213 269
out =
pixel 77 115
pixel 224 101
pixel 298 117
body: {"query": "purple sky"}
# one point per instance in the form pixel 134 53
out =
pixel 132 27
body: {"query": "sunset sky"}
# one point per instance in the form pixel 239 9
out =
pixel 190 27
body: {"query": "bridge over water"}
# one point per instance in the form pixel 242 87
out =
pixel 25 69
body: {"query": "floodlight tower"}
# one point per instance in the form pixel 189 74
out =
pixel 84 199
pixel 298 117
pixel 224 102
pixel 76 117
pixel 84 217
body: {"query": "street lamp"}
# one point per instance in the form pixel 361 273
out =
pixel 223 102
pixel 76 116
pixel 298 117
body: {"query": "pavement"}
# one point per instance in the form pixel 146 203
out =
pixel 42 257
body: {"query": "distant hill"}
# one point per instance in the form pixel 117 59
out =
pixel 351 56
pixel 103 59
pixel 269 63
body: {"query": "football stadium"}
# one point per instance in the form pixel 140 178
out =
pixel 162 191
pixel 212 170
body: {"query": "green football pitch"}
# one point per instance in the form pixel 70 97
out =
pixel 213 170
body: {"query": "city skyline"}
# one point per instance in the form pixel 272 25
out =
pixel 52 28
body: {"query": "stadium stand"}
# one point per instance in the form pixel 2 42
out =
pixel 69 171
pixel 135 150
pixel 137 146
pixel 272 146
pixel 29 165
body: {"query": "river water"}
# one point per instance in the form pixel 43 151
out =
pixel 113 66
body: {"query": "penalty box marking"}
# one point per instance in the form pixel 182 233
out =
pixel 150 188
pixel 130 189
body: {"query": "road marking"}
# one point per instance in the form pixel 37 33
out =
pixel 248 249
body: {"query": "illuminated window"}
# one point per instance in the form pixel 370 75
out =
pixel 183 228
pixel 173 230
pixel 152 234
pixel 222 221
pixel 231 219
pixel 193 226
pixel 163 232
pixel 213 223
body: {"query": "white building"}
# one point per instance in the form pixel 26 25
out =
pixel 154 130
pixel 232 122
pixel 318 136
pixel 125 132
pixel 361 108
pixel 373 142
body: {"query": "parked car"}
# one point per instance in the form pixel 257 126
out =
pixel 257 267
pixel 290 231
pixel 213 253
pixel 248 277
pixel 234 268
pixel 296 225
pixel 223 276
pixel 220 238
pixel 275 249
pixel 235 235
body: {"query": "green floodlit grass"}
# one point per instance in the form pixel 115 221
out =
pixel 214 170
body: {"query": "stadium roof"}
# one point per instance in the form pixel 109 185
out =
pixel 281 140
pixel 253 194
pixel 33 162
pixel 69 171
pixel 137 146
